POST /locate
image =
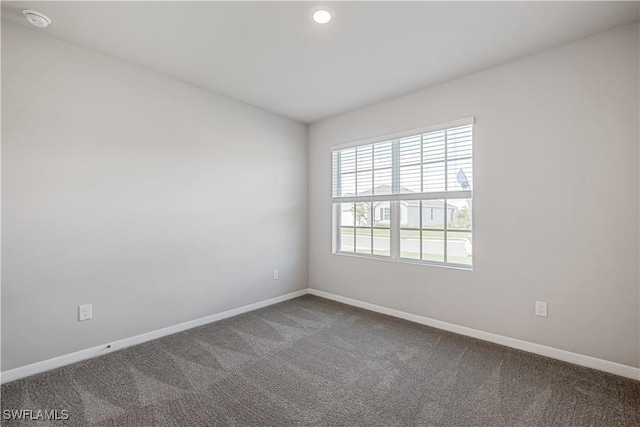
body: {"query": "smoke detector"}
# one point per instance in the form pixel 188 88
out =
pixel 38 19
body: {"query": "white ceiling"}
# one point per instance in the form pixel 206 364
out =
pixel 270 54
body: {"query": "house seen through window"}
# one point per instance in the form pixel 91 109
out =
pixel 407 198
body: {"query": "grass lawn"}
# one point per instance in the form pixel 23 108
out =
pixel 409 234
pixel 427 257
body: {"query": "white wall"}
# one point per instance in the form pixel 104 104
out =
pixel 154 200
pixel 555 201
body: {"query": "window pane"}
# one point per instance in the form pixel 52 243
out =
pixel 459 214
pixel 363 214
pixel 433 213
pixel 365 183
pixel 434 178
pixel 381 214
pixel 433 146
pixel 382 155
pixel 381 242
pixel 410 150
pixel 346 214
pixel 410 179
pixel 433 245
pixel 459 142
pixel 460 175
pixel 346 239
pixel 459 247
pixel 363 240
pixel 348 184
pixel 410 244
pixel 348 160
pixel 382 184
pixel 410 214
pixel 365 157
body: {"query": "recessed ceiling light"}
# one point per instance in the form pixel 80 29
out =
pixel 37 19
pixel 322 16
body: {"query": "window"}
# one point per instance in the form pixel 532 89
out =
pixel 407 197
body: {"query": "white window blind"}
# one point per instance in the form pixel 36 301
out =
pixel 406 197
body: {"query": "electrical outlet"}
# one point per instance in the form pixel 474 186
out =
pixel 276 275
pixel 541 308
pixel 85 312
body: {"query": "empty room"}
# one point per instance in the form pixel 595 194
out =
pixel 320 213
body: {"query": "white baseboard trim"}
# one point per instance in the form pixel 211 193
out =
pixel 554 353
pixel 543 350
pixel 67 359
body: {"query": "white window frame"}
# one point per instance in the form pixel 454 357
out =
pixel 396 197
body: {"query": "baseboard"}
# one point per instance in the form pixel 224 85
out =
pixel 543 350
pixel 67 359
pixel 567 356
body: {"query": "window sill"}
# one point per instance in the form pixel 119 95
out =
pixel 408 261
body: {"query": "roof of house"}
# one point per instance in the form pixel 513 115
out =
pixel 386 189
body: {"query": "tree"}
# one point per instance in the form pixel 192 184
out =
pixel 463 219
pixel 361 213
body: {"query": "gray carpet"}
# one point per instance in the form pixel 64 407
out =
pixel 311 361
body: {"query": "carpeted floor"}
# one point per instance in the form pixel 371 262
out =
pixel 310 361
